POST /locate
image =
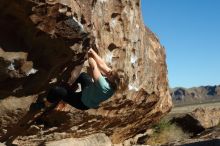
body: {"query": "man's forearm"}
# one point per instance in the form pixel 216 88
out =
pixel 97 58
pixel 100 62
pixel 92 63
pixel 94 69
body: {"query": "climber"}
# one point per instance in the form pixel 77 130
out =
pixel 96 86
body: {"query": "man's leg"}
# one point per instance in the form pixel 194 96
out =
pixel 66 94
pixel 56 94
pixel 74 99
pixel 84 79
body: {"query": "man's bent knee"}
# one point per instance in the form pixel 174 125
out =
pixel 56 94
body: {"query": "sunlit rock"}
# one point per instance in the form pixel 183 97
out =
pixel 55 35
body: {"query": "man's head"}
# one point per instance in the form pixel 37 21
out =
pixel 118 79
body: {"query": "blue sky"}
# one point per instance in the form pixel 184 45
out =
pixel 190 32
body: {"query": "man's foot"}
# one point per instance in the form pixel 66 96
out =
pixel 48 104
pixel 61 106
pixel 74 86
pixel 37 106
pixel 41 104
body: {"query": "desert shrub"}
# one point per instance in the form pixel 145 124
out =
pixel 165 132
pixel 161 126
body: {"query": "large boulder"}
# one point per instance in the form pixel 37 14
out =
pixel 207 117
pixel 50 38
pixel 198 120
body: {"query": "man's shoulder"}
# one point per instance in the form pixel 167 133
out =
pixel 104 85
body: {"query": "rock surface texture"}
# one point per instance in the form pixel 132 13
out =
pixel 92 140
pixel 44 43
pixel 199 120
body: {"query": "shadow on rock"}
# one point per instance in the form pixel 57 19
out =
pixel 213 142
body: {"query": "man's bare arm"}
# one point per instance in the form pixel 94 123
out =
pixel 94 71
pixel 105 70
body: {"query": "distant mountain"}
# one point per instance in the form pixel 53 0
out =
pixel 196 94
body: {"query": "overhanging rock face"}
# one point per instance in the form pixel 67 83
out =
pixel 46 41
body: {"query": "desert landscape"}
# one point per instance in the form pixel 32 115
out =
pixel 46 44
pixel 191 124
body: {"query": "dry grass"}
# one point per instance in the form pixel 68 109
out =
pixel 165 132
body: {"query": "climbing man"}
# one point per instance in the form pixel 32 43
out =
pixel 96 86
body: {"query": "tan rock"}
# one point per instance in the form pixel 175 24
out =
pixel 99 139
pixel 199 120
pixel 1 144
pixel 207 117
pixel 56 44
